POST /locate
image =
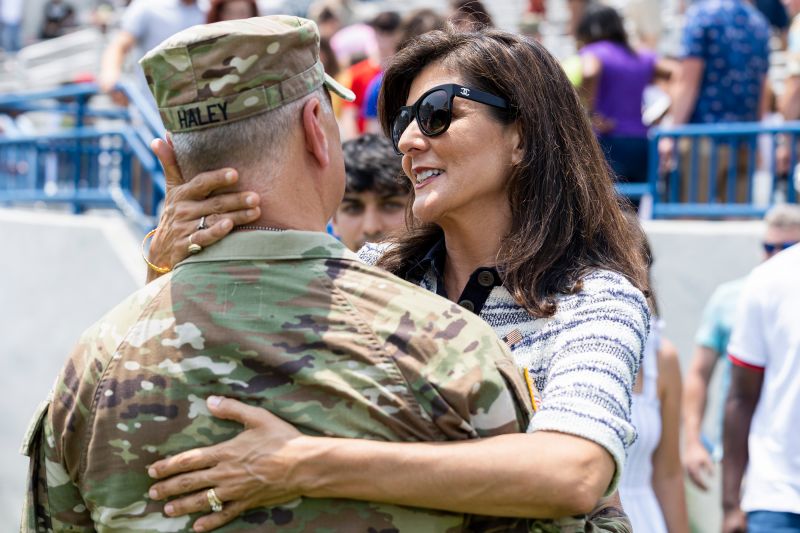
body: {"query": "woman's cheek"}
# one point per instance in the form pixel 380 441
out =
pixel 418 209
pixel 427 206
pixel 407 165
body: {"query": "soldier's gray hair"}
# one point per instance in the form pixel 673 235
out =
pixel 245 144
pixel 783 216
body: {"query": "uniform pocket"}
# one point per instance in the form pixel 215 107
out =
pixel 34 428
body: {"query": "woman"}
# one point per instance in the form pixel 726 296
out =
pixel 515 217
pixel 651 487
pixel 231 10
pixel 614 80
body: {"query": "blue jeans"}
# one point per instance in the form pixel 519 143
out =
pixel 772 522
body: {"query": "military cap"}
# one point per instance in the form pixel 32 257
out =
pixel 215 74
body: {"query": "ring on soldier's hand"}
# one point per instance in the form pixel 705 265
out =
pixel 193 248
pixel 213 500
pixel 202 224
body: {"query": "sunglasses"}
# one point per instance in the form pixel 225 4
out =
pixel 434 110
pixel 771 248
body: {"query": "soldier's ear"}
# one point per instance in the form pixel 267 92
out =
pixel 314 132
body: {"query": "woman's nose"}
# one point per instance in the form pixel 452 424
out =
pixel 412 138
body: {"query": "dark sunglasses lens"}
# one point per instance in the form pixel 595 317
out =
pixel 434 113
pixel 770 248
pixel 401 122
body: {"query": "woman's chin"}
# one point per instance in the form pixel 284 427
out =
pixel 426 211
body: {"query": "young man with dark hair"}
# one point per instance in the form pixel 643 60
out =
pixel 375 199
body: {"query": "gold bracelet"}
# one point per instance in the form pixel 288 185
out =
pixel 155 268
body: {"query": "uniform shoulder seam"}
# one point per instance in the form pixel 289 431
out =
pixel 352 310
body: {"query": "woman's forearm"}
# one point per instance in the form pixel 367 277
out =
pixel 670 492
pixel 542 474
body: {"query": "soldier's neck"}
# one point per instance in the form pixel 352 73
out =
pixel 288 202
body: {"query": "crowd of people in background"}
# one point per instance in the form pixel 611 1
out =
pixel 628 74
pixel 627 83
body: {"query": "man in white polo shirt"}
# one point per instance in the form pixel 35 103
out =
pixel 762 412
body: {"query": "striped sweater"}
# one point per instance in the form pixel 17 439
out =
pixel 583 359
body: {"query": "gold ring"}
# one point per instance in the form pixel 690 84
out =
pixel 193 248
pixel 213 500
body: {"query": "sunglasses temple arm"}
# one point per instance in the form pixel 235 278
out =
pixel 488 99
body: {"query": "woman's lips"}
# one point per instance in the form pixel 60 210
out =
pixel 418 185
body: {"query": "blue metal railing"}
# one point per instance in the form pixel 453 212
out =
pixel 96 158
pixel 86 164
pixel 715 168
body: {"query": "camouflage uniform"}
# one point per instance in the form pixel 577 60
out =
pixel 291 321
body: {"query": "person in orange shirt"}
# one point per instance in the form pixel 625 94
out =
pixel 386 25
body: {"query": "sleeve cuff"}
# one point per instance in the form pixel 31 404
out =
pixel 737 361
pixel 706 342
pixel 589 428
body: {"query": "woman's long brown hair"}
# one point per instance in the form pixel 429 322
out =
pixel 566 216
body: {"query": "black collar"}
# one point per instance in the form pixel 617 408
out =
pixel 478 288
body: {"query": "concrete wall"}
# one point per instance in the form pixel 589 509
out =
pixel 59 274
pixel 691 259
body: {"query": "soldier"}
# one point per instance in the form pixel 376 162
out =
pixel 279 315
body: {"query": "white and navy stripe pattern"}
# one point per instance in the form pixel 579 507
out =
pixel 584 359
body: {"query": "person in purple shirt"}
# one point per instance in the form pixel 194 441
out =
pixel 614 80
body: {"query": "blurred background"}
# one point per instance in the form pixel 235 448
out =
pixel 79 187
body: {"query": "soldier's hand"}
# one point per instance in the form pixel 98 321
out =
pixel 254 469
pixel 188 201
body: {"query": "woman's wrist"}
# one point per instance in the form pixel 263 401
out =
pixel 315 459
pixel 156 265
pixel 329 467
pixel 158 253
